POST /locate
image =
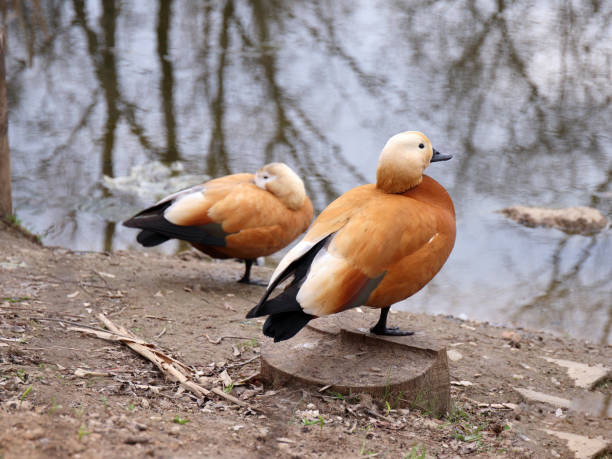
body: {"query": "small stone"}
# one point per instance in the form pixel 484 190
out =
pixel 583 447
pixel 34 434
pixel 454 355
pixel 583 375
pixel 513 337
pixel 535 396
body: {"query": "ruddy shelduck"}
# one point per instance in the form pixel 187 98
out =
pixel 375 245
pixel 237 216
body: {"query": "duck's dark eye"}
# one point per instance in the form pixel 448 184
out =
pixel 265 177
pixel 421 146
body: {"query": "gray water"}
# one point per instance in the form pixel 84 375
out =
pixel 520 92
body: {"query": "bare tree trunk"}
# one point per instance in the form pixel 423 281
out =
pixel 6 206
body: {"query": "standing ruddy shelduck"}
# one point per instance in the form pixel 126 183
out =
pixel 237 216
pixel 375 245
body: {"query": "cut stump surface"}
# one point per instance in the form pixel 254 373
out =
pixel 339 352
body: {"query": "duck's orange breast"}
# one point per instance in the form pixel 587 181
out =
pixel 419 265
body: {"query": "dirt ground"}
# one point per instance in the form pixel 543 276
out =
pixel 126 408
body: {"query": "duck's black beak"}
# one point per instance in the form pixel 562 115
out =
pixel 437 156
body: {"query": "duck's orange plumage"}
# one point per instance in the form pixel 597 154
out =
pixel 374 246
pixel 237 216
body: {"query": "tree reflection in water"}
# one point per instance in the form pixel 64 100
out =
pixel 520 90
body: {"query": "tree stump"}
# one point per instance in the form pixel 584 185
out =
pixel 336 351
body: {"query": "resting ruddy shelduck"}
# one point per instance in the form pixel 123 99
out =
pixel 237 216
pixel 375 245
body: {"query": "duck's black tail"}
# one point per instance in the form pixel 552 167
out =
pixel 150 238
pixel 286 316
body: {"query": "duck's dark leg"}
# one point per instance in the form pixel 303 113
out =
pixel 246 279
pixel 381 326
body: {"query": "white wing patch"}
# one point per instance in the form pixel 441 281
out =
pixel 296 252
pixel 321 278
pixel 178 194
pixel 186 203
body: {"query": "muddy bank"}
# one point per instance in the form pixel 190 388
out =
pixel 63 393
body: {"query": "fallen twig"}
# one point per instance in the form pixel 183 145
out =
pixel 170 367
pixel 12 307
pixel 221 338
pixel 242 363
pixel 161 333
pixel 159 318
pixel 250 378
pixel 69 322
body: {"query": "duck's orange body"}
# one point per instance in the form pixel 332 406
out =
pixel 405 238
pixel 227 217
pixel 369 247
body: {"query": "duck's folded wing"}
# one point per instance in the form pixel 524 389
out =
pixel 355 260
pixel 183 215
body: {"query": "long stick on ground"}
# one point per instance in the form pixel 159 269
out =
pixel 170 367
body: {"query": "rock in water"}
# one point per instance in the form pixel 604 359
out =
pixel 572 220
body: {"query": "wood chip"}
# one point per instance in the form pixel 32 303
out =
pixel 462 383
pixel 235 351
pixel 285 440
pixel 81 373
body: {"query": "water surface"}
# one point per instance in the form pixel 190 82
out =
pixel 518 91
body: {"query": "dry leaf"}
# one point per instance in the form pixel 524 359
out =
pixel 225 378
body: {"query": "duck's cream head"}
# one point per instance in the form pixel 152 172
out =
pixel 280 180
pixel 403 161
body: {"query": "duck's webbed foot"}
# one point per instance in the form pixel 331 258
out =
pixel 246 279
pixel 381 326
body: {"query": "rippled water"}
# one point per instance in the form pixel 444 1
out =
pixel 518 91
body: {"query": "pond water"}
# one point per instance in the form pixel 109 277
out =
pixel 157 95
